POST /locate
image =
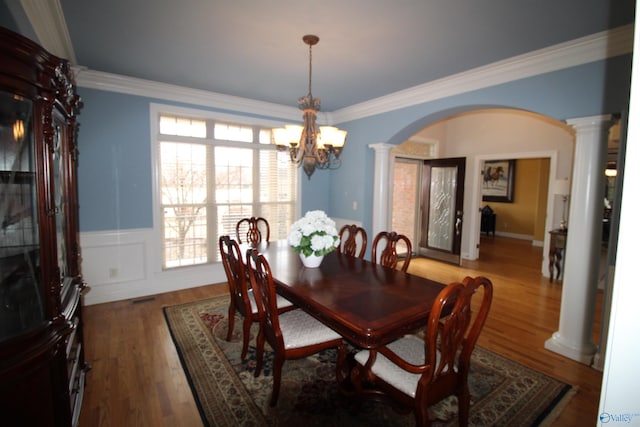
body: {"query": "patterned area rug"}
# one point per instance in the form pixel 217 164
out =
pixel 503 393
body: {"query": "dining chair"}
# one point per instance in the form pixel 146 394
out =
pixel 242 297
pixel 350 237
pixel 389 257
pixel 292 335
pixel 252 230
pixel 417 373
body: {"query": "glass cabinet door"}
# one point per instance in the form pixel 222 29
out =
pixel 21 299
pixel 59 196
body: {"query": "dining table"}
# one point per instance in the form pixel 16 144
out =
pixel 368 304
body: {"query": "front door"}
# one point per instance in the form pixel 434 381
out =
pixel 441 210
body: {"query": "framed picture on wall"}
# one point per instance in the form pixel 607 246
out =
pixel 498 180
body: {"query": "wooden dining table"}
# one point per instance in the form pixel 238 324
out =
pixel 368 304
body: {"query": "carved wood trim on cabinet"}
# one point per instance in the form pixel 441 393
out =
pixel 42 363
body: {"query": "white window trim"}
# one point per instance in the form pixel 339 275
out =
pixel 154 110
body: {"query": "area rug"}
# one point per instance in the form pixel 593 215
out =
pixel 503 392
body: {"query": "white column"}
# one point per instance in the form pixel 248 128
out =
pixel 381 187
pixel 580 277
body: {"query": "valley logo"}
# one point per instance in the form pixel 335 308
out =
pixel 626 418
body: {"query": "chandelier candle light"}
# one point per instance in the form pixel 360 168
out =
pixel 309 145
pixel 313 236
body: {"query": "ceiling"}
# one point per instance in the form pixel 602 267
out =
pixel 368 48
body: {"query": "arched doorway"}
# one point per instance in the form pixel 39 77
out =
pixel 496 133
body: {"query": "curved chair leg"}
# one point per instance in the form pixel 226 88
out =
pixel 355 376
pixel 340 365
pixel 259 353
pixel 246 332
pixel 422 416
pixel 277 376
pixel 464 399
pixel 232 317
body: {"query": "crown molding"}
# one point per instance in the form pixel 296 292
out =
pixel 595 47
pixel 134 86
pixel 49 25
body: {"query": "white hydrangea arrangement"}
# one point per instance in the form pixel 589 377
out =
pixel 314 234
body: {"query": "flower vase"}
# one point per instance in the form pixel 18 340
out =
pixel 311 261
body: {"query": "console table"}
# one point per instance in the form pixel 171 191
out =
pixel 557 243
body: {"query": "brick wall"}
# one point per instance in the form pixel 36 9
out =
pixel 404 199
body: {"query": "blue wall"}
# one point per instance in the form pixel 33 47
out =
pixel 114 162
pixel 115 154
pixel 592 89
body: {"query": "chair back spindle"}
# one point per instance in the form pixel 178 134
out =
pixel 239 292
pixel 352 237
pixel 262 283
pixel 253 230
pixel 389 257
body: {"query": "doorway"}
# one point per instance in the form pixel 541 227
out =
pixel 427 205
pixel 522 215
pixel 491 134
pixel 441 207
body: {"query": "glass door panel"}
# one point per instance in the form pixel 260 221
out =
pixel 59 197
pixel 21 299
pixel 442 208
pixel 442 201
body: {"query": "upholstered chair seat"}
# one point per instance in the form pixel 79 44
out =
pixel 410 349
pixel 281 302
pixel 299 329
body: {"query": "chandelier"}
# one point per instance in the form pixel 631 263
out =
pixel 311 146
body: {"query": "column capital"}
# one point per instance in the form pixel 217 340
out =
pixel 381 146
pixel 580 123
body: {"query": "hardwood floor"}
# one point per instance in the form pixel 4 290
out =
pixel 137 379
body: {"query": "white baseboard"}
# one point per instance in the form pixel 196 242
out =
pixel 514 235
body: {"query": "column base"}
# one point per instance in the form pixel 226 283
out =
pixel 582 354
pixel 598 362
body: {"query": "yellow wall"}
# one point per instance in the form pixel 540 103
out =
pixel 526 215
pixel 543 185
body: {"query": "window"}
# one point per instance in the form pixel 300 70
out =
pixel 210 175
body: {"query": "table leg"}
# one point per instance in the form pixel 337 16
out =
pixel 559 262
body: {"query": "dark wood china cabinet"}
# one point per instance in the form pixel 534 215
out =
pixel 42 366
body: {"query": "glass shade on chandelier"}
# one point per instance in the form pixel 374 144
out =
pixel 311 146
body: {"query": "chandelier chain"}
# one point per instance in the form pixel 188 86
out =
pixel 310 62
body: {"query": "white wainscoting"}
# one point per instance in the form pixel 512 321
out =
pixel 124 264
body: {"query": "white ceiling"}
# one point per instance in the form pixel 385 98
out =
pixel 253 48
